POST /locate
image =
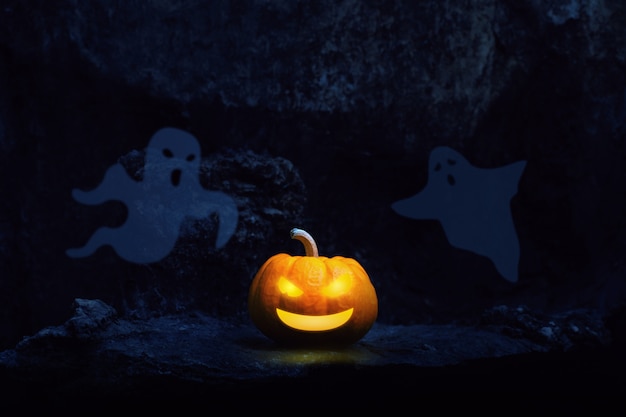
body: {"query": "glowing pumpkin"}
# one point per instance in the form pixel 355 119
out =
pixel 312 300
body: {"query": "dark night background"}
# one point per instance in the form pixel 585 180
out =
pixel 321 115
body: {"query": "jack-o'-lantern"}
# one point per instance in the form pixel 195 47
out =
pixel 312 300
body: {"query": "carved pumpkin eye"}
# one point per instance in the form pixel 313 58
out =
pixel 289 288
pixel 339 286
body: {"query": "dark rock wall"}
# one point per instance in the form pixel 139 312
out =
pixel 317 115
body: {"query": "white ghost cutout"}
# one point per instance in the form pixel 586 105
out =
pixel 473 206
pixel 169 192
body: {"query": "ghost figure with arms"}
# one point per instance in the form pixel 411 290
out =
pixel 473 206
pixel 169 192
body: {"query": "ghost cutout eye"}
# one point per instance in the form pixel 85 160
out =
pixel 451 162
pixel 167 153
pixel 190 157
pixel 438 166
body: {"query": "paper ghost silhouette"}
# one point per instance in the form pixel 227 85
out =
pixel 472 205
pixel 157 205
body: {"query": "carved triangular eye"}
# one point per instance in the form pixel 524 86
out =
pixel 287 287
pixel 340 286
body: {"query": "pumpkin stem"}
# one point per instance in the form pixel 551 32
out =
pixel 310 247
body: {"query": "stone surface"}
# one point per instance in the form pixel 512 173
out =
pixel 97 357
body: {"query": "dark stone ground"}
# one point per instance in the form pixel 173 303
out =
pixel 513 359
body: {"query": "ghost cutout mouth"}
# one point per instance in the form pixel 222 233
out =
pixel 177 172
pixel 176 177
pixel 314 323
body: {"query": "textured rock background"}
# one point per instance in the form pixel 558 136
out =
pixel 316 115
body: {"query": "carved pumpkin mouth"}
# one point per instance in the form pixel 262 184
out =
pixel 314 323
